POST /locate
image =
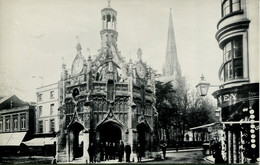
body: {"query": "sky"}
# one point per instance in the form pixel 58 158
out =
pixel 36 35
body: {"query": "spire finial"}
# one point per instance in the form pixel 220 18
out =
pixel 78 45
pixel 108 3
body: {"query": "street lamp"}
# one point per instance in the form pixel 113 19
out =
pixel 203 87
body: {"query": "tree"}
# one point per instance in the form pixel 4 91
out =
pixel 180 108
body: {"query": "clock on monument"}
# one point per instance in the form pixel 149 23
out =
pixel 77 66
pixel 140 69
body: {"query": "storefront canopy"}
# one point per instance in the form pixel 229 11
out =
pixel 203 126
pixel 12 139
pixel 40 141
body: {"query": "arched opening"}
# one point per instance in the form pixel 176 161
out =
pixel 75 142
pixel 110 132
pixel 144 137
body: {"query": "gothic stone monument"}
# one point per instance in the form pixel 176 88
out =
pixel 106 99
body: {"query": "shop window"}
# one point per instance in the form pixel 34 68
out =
pixel 229 6
pixel 232 60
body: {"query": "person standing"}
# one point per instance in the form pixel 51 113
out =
pixel 101 150
pixel 91 152
pixel 107 151
pixel 127 152
pixel 139 153
pixel 164 150
pixel 120 151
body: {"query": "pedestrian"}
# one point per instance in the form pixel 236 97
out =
pixel 91 152
pixel 120 151
pixel 101 151
pixel 127 152
pixel 217 153
pixel 114 151
pixel 164 150
pixel 139 153
pixel 107 151
pixel 177 147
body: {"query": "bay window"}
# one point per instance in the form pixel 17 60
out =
pixel 232 60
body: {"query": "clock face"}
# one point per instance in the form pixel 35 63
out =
pixel 77 66
pixel 140 70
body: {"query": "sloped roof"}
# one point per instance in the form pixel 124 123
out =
pixel 12 101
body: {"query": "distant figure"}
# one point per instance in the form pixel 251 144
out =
pixel 139 153
pixel 127 152
pixel 91 152
pixel 217 153
pixel 120 151
pixel 101 151
pixel 177 147
pixel 112 151
pixel 107 151
pixel 164 150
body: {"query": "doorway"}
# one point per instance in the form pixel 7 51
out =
pixel 75 145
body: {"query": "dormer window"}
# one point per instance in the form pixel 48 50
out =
pixel 230 6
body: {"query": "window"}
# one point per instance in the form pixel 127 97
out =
pixel 52 94
pixel 7 124
pixel 51 109
pixel 52 125
pixel 15 123
pixel 40 110
pixel 232 58
pixel 23 123
pixel 39 97
pixel 1 125
pixel 229 6
pixel 40 127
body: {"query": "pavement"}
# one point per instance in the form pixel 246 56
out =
pixel 81 161
pixel 41 159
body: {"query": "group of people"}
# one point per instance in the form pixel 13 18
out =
pixel 108 151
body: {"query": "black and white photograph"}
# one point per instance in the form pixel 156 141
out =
pixel 129 81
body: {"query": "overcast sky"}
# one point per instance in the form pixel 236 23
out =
pixel 35 35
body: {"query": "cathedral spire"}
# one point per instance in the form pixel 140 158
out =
pixel 171 67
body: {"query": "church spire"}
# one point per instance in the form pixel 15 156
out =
pixel 171 67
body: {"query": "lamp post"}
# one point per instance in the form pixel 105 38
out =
pixel 203 86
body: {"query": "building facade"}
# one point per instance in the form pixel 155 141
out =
pixel 238 96
pixel 17 124
pixel 47 120
pixel 106 99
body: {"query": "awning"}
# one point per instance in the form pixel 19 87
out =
pixel 40 141
pixel 11 139
pixel 203 126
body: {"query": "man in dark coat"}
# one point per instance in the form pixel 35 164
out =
pixel 91 152
pixel 164 150
pixel 107 151
pixel 101 150
pixel 139 153
pixel 120 151
pixel 127 152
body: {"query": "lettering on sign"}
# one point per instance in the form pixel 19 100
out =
pixel 230 98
